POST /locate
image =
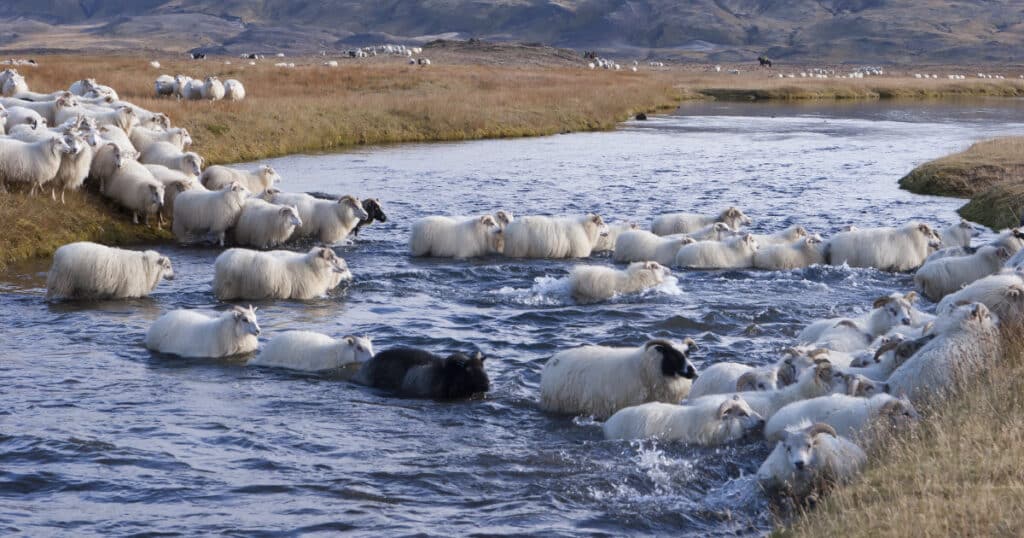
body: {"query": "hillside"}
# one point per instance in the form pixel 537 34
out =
pixel 858 31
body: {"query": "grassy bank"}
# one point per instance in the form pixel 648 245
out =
pixel 991 173
pixel 741 88
pixel 961 473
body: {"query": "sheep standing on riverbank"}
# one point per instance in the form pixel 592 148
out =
pixel 706 425
pixel 589 284
pixel 553 237
pixel 947 275
pixel 599 380
pixel 209 213
pixel 264 225
pixel 681 223
pixel 887 249
pixel 142 138
pixel 87 270
pixel 446 237
pixel 130 184
pixel 217 177
pixel 31 163
pixel 167 154
pixel 313 352
pixel 280 274
pixel 190 334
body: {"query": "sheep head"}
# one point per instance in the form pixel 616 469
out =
pixel 758 380
pixel 674 362
pixel 487 221
pixel 503 217
pixel 290 214
pixel 361 347
pixel 354 204
pixel 737 409
pixel 245 321
pixel 497 241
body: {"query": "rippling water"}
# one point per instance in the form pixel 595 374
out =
pixel 98 436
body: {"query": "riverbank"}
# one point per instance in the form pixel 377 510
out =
pixel 991 173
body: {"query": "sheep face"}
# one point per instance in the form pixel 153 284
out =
pixel 374 210
pixel 760 380
pixel 332 261
pixel 75 144
pixel 496 241
pixel 749 242
pixel 933 237
pixel 60 146
pixel 657 270
pixel 900 413
pixel 504 218
pixel 465 375
pixel 896 310
pixel 863 387
pixel 290 215
pixel 245 322
pixel 361 347
pixel 167 272
pixel 269 175
pixel 355 205
pixel 487 221
pixel 738 415
pixel 674 361
pixel 799 445
pixel 194 163
pixel 186 139
pixel 734 218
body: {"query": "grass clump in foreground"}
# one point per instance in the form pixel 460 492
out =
pixel 990 172
pixel 35 226
pixel 960 473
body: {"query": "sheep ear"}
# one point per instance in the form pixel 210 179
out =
pixel 689 345
pixel 350 341
pixel 747 381
pixel 1015 291
pixel 822 427
pixel 882 301
pixel 284 210
pixel 911 297
pixel 326 253
pixel 724 408
pixel 924 228
pixel 595 218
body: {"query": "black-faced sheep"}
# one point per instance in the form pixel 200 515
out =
pixel 681 223
pixel 418 373
pixel 706 425
pixel 191 334
pixel 280 274
pixel 887 249
pixel 91 271
pixel 599 380
pixel 313 352
pixel 446 237
pixel 810 458
pixel 939 278
pixel 553 237
pixel 735 253
pixel 374 212
pixel 591 283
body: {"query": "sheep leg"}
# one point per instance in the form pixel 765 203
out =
pixel 220 238
pixel 62 197
pixel 135 217
pixel 53 194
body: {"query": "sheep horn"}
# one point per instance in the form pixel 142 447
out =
pixel 880 302
pixel 886 347
pixel 821 427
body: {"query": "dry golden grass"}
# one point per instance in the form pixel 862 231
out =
pixel 960 474
pixel 750 87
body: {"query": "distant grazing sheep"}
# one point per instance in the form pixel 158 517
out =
pixel 599 380
pixel 420 374
pixel 735 253
pixel 233 90
pixel 280 274
pixel 313 352
pixel 164 85
pixel 592 283
pixel 707 425
pixel 217 177
pixel 553 237
pixel 947 275
pixel 201 212
pixel 810 458
pixel 212 89
pixel 641 245
pixel 446 237
pixel 190 334
pixel 887 249
pixel 681 223
pixel 264 225
pixel 91 271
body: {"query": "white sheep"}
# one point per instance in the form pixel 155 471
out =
pixel 175 182
pixel 264 225
pixel 553 237
pixel 191 334
pixel 967 342
pixel 888 357
pixel 447 237
pixel 589 284
pixel 811 457
pixel 706 425
pixel 718 231
pixel 327 220
pixel 164 85
pixel 233 90
pixel 172 157
pixel 1002 293
pixel 280 274
pixel 193 89
pixel 146 118
pixel 212 89
pixel 607 242
pixel 681 223
pixel 207 212
pixel 888 249
pixel 850 416
pixel 950 252
pixel 820 380
pixel 313 352
pixel 263 178
pixel 729 377
pixel 34 163
pixel 958 235
pixel 735 253
pixel 600 380
pixel 19 115
pixel 641 245
pixel 74 167
pixel 787 236
pixel 130 184
pixel 801 253
pixel 939 278
pixel 1012 239
pixel 142 137
pixel 886 312
pixel 91 271
pixel 118 137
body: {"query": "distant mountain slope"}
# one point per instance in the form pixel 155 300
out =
pixel 832 30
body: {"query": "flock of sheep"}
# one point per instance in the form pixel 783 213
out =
pixel 820 402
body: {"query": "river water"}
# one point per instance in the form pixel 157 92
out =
pixel 100 437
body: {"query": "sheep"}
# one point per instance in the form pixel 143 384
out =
pixel 781 257
pixel 718 231
pixel 175 183
pixel 172 157
pixel 326 220
pixel 850 416
pixel 887 249
pixel 950 252
pixel 13 85
pixel 146 118
pixel 130 184
pixel 233 90
pixel 707 425
pixel 164 85
pixel 87 270
pixel 1002 293
pixel 193 89
pixel 313 352
pixel 49 110
pixel 264 225
pixel 212 89
pixel 446 237
pixel 589 284
pixel 279 274
pixel 19 115
pixel 810 458
pixel 729 377
pixel 191 334
pixel 122 117
pixel 600 380
pixel 116 135
pixel 553 237
pixel 888 357
pixel 959 234
pixel 142 138
pixel 74 167
pixel 1016 262
pixel 845 336
pixel 207 212
pixel 216 177
pixel 35 163
pixel 1013 240
pixel 420 374
pixel 790 235
pixel 942 277
pixel 681 223
pixel 736 253
pixel 967 341
pixel 641 245
pixel 820 380
pixel 886 312
pixel 606 242
pixel 182 86
pixel 374 212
